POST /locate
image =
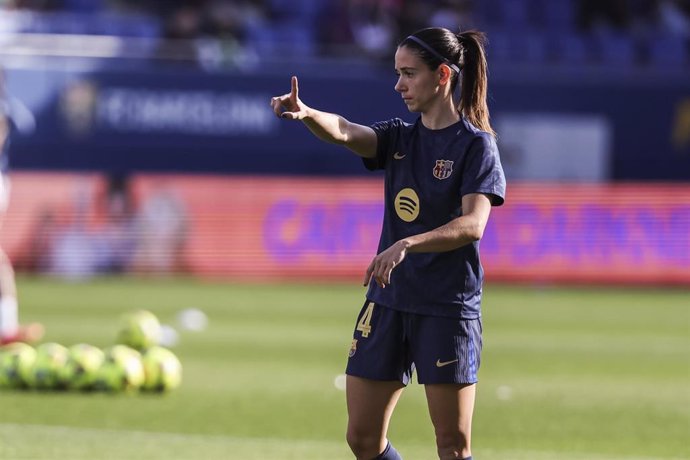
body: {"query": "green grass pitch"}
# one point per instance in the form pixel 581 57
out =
pixel 567 374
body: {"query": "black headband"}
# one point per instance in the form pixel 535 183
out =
pixel 421 43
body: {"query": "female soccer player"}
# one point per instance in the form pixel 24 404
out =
pixel 442 175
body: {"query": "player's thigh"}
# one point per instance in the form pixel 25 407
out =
pixel 446 350
pixel 378 369
pixel 370 404
pixel 451 407
pixel 379 349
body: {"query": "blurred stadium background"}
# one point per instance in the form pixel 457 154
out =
pixel 148 171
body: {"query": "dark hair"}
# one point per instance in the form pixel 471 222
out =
pixel 466 50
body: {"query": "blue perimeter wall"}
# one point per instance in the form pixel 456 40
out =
pixel 118 119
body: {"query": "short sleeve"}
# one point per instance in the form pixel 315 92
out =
pixel 483 172
pixel 387 134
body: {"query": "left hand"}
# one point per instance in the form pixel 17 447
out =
pixel 383 264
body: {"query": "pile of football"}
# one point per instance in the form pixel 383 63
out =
pixel 136 362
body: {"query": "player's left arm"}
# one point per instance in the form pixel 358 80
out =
pixel 460 231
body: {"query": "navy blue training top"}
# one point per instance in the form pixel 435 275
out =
pixel 426 174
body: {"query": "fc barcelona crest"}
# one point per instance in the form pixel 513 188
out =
pixel 443 169
pixel 353 348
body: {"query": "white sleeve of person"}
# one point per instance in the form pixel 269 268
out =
pixel 9 320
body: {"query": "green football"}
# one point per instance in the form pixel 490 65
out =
pixel 16 361
pixel 122 370
pixel 162 369
pixel 81 368
pixel 45 372
pixel 139 330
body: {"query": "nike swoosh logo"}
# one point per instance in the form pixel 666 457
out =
pixel 440 363
pixel 397 156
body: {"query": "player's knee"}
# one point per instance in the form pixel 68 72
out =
pixel 363 445
pixel 452 445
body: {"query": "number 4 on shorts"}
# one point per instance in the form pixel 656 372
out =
pixel 364 324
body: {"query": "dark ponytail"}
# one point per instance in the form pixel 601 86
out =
pixel 475 80
pixel 464 52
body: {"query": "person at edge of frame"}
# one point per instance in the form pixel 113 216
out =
pixel 10 328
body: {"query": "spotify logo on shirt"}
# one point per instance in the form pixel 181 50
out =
pixel 407 204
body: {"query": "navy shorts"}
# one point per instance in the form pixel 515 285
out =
pixel 390 344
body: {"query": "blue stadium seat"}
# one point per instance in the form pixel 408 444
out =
pixel 557 15
pixel 498 47
pixel 84 6
pixel 91 24
pixel 299 10
pixel 517 47
pixel 282 38
pixel 570 48
pixel 510 15
pixel 533 47
pixel 128 25
pixel 616 49
pixel 668 51
pixel 516 14
pixel 487 13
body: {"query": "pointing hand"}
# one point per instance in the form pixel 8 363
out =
pixel 289 105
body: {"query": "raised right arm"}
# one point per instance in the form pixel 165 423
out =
pixel 328 127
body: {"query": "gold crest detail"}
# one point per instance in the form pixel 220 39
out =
pixel 353 348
